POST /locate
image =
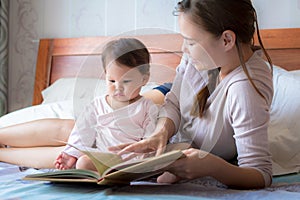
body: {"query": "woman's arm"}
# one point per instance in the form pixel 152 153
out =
pixel 250 118
pixel 198 164
pixel 237 177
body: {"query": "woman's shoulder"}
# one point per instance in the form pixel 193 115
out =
pixel 258 70
pixel 243 91
pixel 240 87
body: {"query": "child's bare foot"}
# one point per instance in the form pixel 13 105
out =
pixel 65 161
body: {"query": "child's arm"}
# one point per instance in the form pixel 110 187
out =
pixel 83 134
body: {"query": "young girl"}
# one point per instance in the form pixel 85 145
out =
pixel 122 115
pixel 220 98
pixel 35 143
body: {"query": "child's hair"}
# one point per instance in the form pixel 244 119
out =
pixel 216 16
pixel 127 51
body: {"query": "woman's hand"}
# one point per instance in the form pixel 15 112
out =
pixel 157 142
pixel 199 163
pixel 196 164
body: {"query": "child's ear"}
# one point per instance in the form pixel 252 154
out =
pixel 146 78
pixel 229 39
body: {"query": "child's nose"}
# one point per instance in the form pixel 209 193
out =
pixel 184 48
pixel 119 86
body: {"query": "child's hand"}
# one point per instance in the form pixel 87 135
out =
pixel 65 161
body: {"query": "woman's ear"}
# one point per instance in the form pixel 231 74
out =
pixel 229 39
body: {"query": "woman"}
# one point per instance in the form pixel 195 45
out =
pixel 220 98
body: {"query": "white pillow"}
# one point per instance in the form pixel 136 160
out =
pixel 284 129
pixel 63 109
pixel 79 88
pixel 73 88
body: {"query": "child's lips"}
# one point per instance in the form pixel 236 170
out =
pixel 119 95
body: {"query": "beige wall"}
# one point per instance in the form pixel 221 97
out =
pixel 31 20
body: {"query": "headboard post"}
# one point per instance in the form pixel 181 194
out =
pixel 42 75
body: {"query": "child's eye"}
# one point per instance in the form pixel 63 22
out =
pixel 111 81
pixel 126 81
pixel 189 42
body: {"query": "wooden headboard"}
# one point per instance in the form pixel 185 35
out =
pixel 71 57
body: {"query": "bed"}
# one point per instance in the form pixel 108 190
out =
pixel 68 74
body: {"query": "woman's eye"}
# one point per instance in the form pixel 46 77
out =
pixel 111 81
pixel 191 43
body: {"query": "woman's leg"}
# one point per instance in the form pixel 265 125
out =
pixel 36 157
pixel 44 132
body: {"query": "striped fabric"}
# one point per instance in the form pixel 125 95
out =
pixel 3 55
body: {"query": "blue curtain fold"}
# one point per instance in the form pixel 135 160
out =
pixel 3 56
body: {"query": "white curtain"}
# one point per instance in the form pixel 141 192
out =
pixel 3 55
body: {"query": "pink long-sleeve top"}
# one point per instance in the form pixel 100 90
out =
pixel 100 126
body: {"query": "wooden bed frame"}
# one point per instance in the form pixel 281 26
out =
pixel 71 57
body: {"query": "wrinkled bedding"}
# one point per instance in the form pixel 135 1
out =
pixel 13 187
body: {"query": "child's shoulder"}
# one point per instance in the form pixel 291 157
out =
pixel 149 105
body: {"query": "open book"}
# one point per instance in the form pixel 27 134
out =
pixel 112 169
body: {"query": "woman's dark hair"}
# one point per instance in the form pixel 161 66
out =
pixel 127 51
pixel 216 16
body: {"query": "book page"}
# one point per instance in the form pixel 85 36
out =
pixel 142 169
pixel 101 160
